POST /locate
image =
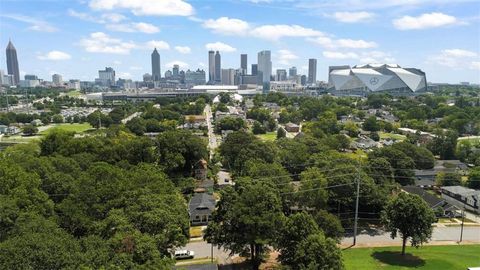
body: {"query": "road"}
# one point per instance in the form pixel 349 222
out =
pixel 440 235
pixel 212 139
pixel 130 117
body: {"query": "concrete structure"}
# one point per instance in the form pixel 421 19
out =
pixel 363 79
pixel 254 69
pixel 228 76
pixel 265 69
pixel 211 66
pixel 106 77
pixel 29 83
pixel 312 71
pixel 195 77
pixel 292 73
pixel 156 70
pixel 57 79
pixel 281 75
pixel 243 64
pixel 218 67
pixel 12 63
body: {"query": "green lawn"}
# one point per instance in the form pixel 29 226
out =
pixel 399 137
pixel 74 93
pixel 426 257
pixel 269 136
pixel 77 128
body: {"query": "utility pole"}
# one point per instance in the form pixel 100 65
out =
pixel 463 220
pixel 356 208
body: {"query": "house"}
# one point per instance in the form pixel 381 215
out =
pixel 201 169
pixel 433 201
pixel 291 127
pixel 11 130
pixel 200 208
pixel 427 177
pixel 3 129
pixel 363 143
pixel 195 121
pixel 462 197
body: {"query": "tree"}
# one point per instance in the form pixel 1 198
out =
pixel 281 133
pixel 30 130
pixel 137 125
pixel 311 192
pixel 230 123
pixel 57 118
pixel 448 179
pixel 329 224
pixel 474 178
pixel 422 157
pixel 295 229
pixel 371 124
pixel 97 119
pixel 410 217
pixel 318 252
pixel 254 207
pixel 258 128
pixel 444 144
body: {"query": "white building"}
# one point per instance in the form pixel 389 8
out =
pixel 106 77
pixel 57 79
pixel 74 84
pixel 29 83
pixel 362 79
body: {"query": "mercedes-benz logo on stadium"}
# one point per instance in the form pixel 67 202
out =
pixel 374 80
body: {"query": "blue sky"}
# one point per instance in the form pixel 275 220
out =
pixel 77 38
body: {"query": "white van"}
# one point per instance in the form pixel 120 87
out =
pixel 184 254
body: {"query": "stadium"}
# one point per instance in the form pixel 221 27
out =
pixel 360 80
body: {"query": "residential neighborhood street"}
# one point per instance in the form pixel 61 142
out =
pixel 212 139
pixel 372 238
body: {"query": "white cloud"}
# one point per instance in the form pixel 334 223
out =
pixel 183 49
pixel 330 43
pixel 339 55
pixel 35 24
pixel 353 17
pixel 219 46
pixel 453 58
pixel 117 62
pixel 159 44
pixel 84 16
pixel 227 26
pixel 146 7
pixel 275 32
pixel 459 53
pixel 133 27
pixel 355 44
pixel 124 75
pixel 181 64
pixel 475 65
pixel 100 42
pixel 285 57
pixel 424 21
pixel 113 17
pixel 55 56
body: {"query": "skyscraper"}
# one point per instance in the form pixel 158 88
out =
pixel 106 77
pixel 218 67
pixel 312 71
pixel 292 72
pixel 281 75
pixel 243 63
pixel 211 66
pixel 156 74
pixel 176 70
pixel 57 79
pixel 12 63
pixel 264 69
pixel 254 69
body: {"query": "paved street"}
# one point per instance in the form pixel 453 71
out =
pixel 212 139
pixel 444 234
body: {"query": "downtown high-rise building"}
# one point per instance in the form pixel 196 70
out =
pixel 12 63
pixel 292 72
pixel 218 67
pixel 243 64
pixel 156 73
pixel 106 77
pixel 264 63
pixel 228 76
pixel 312 71
pixel 281 75
pixel 254 69
pixel 211 66
pixel 57 79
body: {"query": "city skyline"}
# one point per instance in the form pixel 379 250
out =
pixel 75 39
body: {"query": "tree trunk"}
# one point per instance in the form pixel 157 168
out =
pixel 404 243
pixel 252 255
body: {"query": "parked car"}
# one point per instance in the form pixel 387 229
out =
pixel 184 254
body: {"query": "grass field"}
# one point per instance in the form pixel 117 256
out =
pixel 74 93
pixel 426 257
pixel 77 128
pixel 399 137
pixel 269 136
